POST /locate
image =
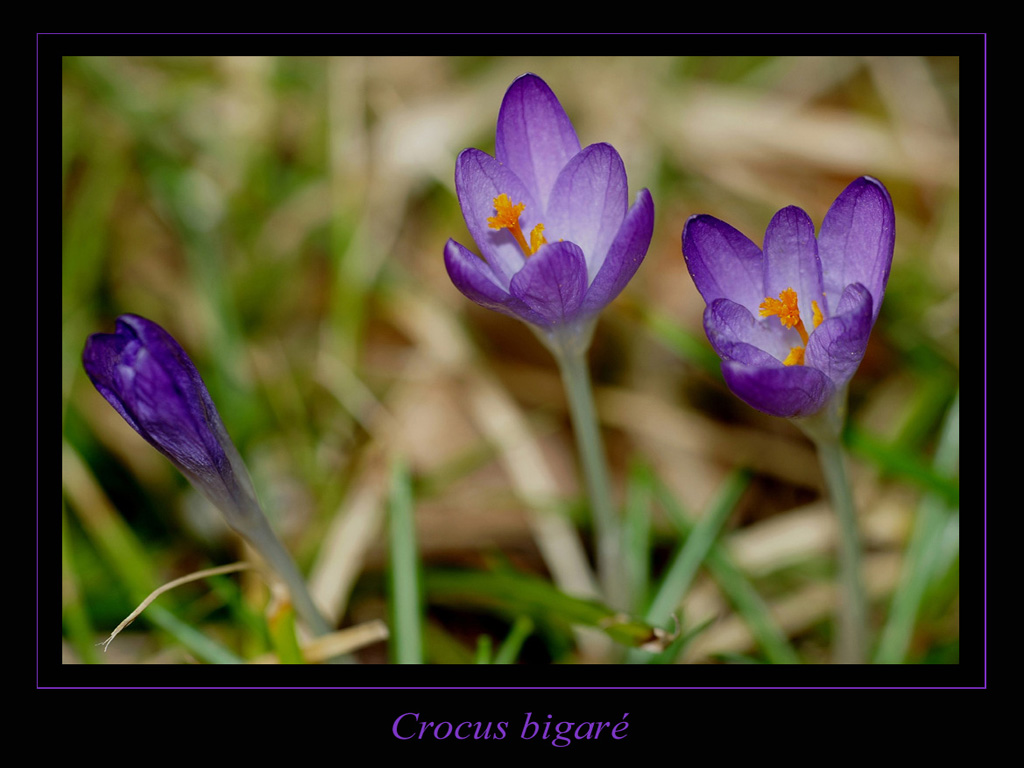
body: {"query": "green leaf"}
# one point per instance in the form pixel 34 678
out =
pixel 513 593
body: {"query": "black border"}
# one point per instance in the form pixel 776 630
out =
pixel 627 682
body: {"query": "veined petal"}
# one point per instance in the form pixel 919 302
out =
pixel 723 262
pixel 856 241
pixel 625 254
pixel 553 283
pixel 534 137
pixel 477 281
pixel 588 203
pixel 777 389
pixel 791 260
pixel 479 179
pixel 837 346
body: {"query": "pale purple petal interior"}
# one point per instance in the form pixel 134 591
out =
pixel 728 324
pixel 791 260
pixel 479 179
pixel 588 203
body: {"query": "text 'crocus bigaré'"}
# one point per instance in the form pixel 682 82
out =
pixel 150 380
pixel 791 323
pixel 551 220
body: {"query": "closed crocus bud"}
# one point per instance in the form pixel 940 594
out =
pixel 149 379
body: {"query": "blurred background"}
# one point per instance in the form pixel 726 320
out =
pixel 285 219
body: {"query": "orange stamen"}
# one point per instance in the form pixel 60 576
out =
pixel 795 356
pixel 537 238
pixel 788 311
pixel 508 218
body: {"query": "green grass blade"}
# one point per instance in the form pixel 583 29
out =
pixel 283 637
pixel 522 627
pixel 738 590
pixel 924 551
pixel 677 646
pixel 514 594
pixel 123 552
pixel 198 644
pixel 902 463
pixel 484 650
pixel 79 630
pixel 406 604
pixel 636 549
pixel 701 537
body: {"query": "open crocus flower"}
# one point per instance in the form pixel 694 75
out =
pixel 550 219
pixel 149 379
pixel 791 323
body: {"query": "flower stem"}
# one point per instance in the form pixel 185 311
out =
pixel 851 643
pixel 576 380
pixel 263 539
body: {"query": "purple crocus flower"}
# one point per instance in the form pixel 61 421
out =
pixel 149 379
pixel 791 323
pixel 582 246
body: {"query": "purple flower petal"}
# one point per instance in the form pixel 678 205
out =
pixel 535 137
pixel 588 203
pixel 776 389
pixel 477 281
pixel 625 255
pixel 856 241
pixel 837 345
pixel 553 282
pixel 791 260
pixel 723 262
